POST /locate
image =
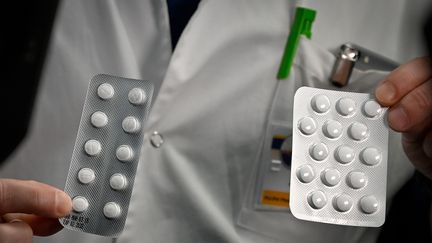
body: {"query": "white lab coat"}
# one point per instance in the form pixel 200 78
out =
pixel 216 90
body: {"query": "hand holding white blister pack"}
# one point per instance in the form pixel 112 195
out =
pixel 106 154
pixel 339 158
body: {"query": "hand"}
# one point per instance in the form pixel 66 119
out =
pixel 408 92
pixel 29 207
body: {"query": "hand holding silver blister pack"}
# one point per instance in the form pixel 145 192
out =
pixel 339 158
pixel 106 154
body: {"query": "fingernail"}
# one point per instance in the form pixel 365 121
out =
pixel 63 203
pixel 398 119
pixel 386 93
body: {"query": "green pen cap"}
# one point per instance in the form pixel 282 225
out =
pixel 302 25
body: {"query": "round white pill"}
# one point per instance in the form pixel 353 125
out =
pixel 332 129
pixel 105 91
pixel 320 103
pixel 131 125
pixel 358 131
pixel 305 173
pixel 124 153
pixel 118 182
pixel 371 108
pixel 346 106
pixel 99 119
pixel 371 156
pixel 317 199
pixel 357 179
pixel 344 154
pixel 330 177
pixel 343 203
pixel 79 204
pixel 137 96
pixel 318 151
pixel 92 147
pixel 307 125
pixel 369 204
pixel 86 175
pixel 112 210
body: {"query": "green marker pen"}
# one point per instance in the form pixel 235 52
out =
pixel 302 25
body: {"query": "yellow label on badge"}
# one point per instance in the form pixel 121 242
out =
pixel 274 198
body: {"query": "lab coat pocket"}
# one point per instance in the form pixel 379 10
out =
pixel 266 205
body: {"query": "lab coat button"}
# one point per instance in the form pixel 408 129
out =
pixel 156 139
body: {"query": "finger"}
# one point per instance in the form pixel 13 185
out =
pixel 403 80
pixel 41 226
pixel 418 132
pixel 16 231
pixel 32 197
pixel 419 152
pixel 415 108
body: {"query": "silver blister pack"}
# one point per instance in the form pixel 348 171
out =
pixel 339 158
pixel 106 154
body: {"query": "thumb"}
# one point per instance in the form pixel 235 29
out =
pixel 15 231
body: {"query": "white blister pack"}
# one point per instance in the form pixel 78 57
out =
pixel 339 158
pixel 106 153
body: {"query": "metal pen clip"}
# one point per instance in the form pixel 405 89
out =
pixel 346 59
pixel 350 55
